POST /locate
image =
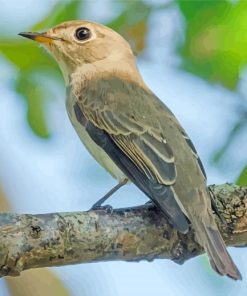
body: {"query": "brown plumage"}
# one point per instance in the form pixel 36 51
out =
pixel 131 132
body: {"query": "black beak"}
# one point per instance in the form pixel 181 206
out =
pixel 39 37
pixel 31 35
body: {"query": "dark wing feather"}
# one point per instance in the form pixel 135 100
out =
pixel 150 156
pixel 196 155
pixel 147 149
pixel 122 150
pixel 193 149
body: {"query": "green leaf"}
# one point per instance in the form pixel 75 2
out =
pixel 215 40
pixel 26 55
pixel 35 97
pixel 242 179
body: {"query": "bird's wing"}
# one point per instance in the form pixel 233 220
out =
pixel 134 141
pixel 150 153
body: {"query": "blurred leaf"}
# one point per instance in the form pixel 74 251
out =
pixel 4 203
pixel 215 40
pixel 30 59
pixel 36 282
pixel 35 96
pixel 234 132
pixel 25 55
pixel 242 179
pixel 132 23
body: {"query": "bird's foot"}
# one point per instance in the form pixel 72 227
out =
pixel 150 203
pixel 107 208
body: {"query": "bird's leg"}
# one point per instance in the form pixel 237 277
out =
pixel 98 204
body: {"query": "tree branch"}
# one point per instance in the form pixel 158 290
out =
pixel 131 234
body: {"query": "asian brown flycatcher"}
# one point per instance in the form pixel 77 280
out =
pixel 130 132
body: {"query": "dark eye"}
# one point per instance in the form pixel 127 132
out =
pixel 82 33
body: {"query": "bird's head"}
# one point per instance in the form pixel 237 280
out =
pixel 76 43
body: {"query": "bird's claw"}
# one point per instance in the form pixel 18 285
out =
pixel 150 203
pixel 106 208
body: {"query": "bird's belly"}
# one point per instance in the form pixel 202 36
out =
pixel 98 153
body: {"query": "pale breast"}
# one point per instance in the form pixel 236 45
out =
pixel 99 154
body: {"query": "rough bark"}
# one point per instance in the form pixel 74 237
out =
pixel 130 234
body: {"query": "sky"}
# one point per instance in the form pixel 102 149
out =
pixel 59 175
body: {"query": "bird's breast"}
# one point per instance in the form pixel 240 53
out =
pixel 96 151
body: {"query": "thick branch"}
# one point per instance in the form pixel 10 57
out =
pixel 30 241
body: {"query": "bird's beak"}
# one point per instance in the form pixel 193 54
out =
pixel 39 37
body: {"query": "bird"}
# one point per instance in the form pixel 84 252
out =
pixel 131 132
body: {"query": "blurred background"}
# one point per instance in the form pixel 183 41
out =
pixel 193 55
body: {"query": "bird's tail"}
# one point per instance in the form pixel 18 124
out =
pixel 215 247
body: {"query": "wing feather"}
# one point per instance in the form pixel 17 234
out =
pixel 151 153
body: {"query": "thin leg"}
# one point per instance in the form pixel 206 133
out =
pixel 108 194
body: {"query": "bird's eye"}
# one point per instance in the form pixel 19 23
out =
pixel 82 33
